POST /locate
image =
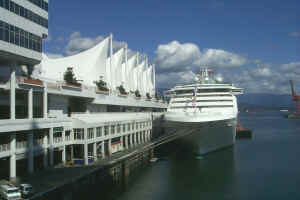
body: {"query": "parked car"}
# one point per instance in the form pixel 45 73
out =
pixel 9 191
pixel 26 189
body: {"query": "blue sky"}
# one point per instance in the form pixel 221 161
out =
pixel 266 33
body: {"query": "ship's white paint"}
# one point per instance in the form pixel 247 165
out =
pixel 208 108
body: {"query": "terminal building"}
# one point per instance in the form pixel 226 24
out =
pixel 78 108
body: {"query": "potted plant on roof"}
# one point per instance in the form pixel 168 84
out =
pixel 137 94
pixel 70 79
pixel 122 90
pixel 148 96
pixel 157 97
pixel 27 78
pixel 101 86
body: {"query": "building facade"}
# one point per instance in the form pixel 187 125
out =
pixel 45 120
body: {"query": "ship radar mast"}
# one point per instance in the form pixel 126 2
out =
pixel 204 75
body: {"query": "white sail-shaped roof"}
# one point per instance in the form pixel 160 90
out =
pixel 140 69
pixel 130 77
pixel 149 85
pixel 87 66
pixel 117 68
pixel 124 81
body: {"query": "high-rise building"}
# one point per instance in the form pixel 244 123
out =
pixel 23 26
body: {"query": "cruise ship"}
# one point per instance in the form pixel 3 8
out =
pixel 205 112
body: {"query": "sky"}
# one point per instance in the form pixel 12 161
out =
pixel 254 44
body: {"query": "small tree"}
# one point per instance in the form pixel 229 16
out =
pixel 148 95
pixel 137 93
pixel 101 84
pixel 69 76
pixel 122 90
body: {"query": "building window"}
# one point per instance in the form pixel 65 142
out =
pixel 118 128
pixel 78 133
pixel 137 125
pixel 124 127
pixel 90 133
pixel 19 37
pixel 112 131
pixel 99 131
pixel 106 130
pixel 128 127
pixel 132 126
pixel 23 12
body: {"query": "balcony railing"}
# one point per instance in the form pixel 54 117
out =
pixel 4 147
pixel 68 138
pixel 57 140
pixel 21 144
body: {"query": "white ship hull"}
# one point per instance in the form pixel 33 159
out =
pixel 205 135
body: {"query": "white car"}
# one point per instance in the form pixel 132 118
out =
pixel 26 189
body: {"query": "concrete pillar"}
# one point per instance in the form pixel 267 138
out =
pixel 85 147
pixel 122 141
pixel 109 147
pixel 45 146
pixel 86 154
pixel 102 149
pixel 134 139
pixel 95 151
pixel 12 159
pixel 30 153
pixel 51 147
pixel 45 103
pixel 30 104
pixel 131 140
pixel 139 137
pixel 63 158
pixel 126 141
pixel 13 94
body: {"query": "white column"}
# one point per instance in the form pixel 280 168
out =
pixel 51 147
pixel 63 158
pixel 30 153
pixel 131 140
pixel 139 137
pixel 126 141
pixel 109 147
pixel 134 139
pixel 86 149
pixel 95 150
pixel 30 105
pixel 86 158
pixel 12 159
pixel 102 149
pixel 13 94
pixel 122 141
pixel 45 103
pixel 45 142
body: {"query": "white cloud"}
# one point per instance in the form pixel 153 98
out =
pixel 78 44
pixel 177 57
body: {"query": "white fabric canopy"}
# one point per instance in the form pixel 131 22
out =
pixel 87 66
pixel 116 69
pixel 130 73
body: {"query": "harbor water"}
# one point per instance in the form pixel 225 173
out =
pixel 264 167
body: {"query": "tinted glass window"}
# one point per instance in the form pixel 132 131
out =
pixel 1 3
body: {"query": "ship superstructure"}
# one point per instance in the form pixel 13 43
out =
pixel 208 107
